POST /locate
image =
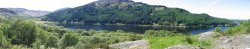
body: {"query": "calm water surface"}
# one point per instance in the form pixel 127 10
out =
pixel 138 29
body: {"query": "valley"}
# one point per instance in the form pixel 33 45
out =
pixel 119 24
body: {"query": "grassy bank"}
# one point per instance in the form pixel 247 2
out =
pixel 167 38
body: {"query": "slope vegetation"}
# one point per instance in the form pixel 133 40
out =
pixel 130 12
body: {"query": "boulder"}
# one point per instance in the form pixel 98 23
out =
pixel 140 44
pixel 183 47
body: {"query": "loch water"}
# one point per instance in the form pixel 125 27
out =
pixel 140 29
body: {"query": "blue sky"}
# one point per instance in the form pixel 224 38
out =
pixel 231 9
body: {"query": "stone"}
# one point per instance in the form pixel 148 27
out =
pixel 183 47
pixel 140 44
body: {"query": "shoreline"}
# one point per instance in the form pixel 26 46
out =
pixel 120 24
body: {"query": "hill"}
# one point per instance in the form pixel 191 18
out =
pixel 130 12
pixel 10 12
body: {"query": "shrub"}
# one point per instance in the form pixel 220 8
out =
pixel 189 40
pixel 4 43
pixel 19 47
pixel 158 33
pixel 52 41
pixel 23 32
pixel 217 29
pixel 68 39
pixel 243 28
pixel 84 46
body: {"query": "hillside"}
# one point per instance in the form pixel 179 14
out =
pixel 130 12
pixel 9 12
pixel 6 12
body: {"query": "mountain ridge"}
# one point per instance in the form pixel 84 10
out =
pixel 130 12
pixel 9 12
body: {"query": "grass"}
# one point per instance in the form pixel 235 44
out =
pixel 164 42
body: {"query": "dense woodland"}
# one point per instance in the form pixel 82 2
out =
pixel 28 34
pixel 129 12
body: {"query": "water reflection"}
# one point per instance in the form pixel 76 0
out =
pixel 138 29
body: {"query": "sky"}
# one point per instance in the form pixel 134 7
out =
pixel 230 9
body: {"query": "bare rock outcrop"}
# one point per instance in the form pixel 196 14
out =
pixel 141 44
pixel 206 35
pixel 233 42
pixel 183 47
pixel 227 42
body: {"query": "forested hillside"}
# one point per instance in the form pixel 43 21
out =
pixel 108 23
pixel 130 12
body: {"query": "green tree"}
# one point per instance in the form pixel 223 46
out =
pixel 218 29
pixel 158 33
pixel 46 38
pixel 52 41
pixel 4 43
pixel 69 39
pixel 23 32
